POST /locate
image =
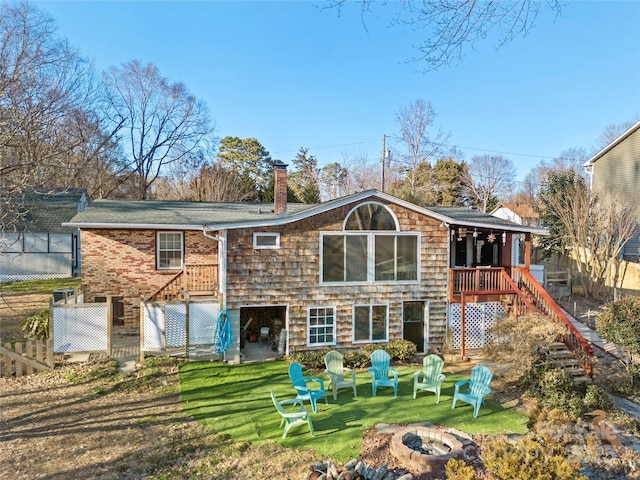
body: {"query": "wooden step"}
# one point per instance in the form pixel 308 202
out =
pixel 556 346
pixel 560 354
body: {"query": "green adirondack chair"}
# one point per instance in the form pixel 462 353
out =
pixel 477 387
pixel 380 371
pixel 291 419
pixel 430 378
pixel 303 385
pixel 339 375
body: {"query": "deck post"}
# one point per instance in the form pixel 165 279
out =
pixel 462 305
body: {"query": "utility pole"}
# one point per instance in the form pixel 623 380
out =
pixel 384 151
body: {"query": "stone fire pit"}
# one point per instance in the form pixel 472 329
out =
pixel 424 449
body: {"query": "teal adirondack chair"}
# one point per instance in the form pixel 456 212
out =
pixel 339 375
pixel 430 378
pixel 291 419
pixel 477 388
pixel 380 371
pixel 303 385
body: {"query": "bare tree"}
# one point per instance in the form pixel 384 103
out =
pixel 570 159
pixel 592 230
pixel 453 26
pixel 611 132
pixel 418 146
pixel 486 177
pixel 162 121
pixel 360 174
pixel 50 134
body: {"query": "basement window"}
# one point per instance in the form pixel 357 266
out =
pixel 266 240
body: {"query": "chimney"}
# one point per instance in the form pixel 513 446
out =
pixel 280 188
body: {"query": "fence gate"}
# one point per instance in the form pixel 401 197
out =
pixel 164 325
pixel 478 319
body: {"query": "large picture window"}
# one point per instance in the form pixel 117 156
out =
pixel 322 325
pixel 370 323
pixel 170 252
pixel 371 257
pixel 370 249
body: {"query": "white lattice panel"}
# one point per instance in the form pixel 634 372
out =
pixel 202 323
pixel 153 325
pixel 80 328
pixel 175 315
pixel 479 317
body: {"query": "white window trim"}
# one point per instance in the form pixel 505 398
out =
pixel 393 215
pixel 158 267
pixel 353 323
pixel 335 326
pixel 256 235
pixel 371 274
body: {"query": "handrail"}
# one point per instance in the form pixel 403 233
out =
pixel 574 340
pixel 192 278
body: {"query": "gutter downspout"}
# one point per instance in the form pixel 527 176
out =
pixel 222 262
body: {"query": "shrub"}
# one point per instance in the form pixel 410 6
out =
pixel 516 342
pixel 459 470
pixel 402 350
pixel 36 327
pixel 528 459
pixel 356 359
pixel 596 398
pixel 312 359
pixel 620 324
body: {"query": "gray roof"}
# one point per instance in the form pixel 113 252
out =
pixel 213 216
pixel 193 215
pixel 45 212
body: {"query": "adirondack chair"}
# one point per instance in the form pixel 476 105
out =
pixel 339 375
pixel 380 371
pixel 303 385
pixel 477 388
pixel 430 378
pixel 291 419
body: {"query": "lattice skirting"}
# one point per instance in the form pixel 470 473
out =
pixel 479 317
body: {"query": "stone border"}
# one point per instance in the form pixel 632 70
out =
pixel 422 462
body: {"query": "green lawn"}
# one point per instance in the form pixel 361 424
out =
pixel 235 400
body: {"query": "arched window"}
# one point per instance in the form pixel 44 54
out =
pixel 370 249
pixel 370 216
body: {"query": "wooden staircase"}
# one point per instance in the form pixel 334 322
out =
pixel 560 355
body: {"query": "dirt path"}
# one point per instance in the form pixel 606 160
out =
pixel 65 425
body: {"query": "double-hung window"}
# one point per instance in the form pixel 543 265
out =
pixel 321 325
pixel 169 250
pixel 380 254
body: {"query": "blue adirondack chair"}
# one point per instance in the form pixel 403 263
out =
pixel 477 388
pixel 304 386
pixel 293 418
pixel 430 378
pixel 380 371
pixel 339 375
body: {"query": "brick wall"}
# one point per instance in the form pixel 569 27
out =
pixel 123 263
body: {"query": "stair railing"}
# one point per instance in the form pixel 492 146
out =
pixel 573 339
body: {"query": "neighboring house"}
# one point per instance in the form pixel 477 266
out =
pixel 615 173
pixel 364 268
pixel 33 242
pixel 522 214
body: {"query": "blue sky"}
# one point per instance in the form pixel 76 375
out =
pixel 292 75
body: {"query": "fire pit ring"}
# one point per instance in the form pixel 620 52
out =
pixel 428 453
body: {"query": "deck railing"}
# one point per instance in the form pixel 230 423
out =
pixel 200 279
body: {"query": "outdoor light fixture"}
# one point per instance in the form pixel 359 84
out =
pixel 491 237
pixel 504 238
pixel 475 236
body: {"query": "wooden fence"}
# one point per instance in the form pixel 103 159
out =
pixel 20 359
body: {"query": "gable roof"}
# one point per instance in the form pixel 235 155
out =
pixel 46 211
pixel 612 145
pixel 209 216
pixel 523 210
